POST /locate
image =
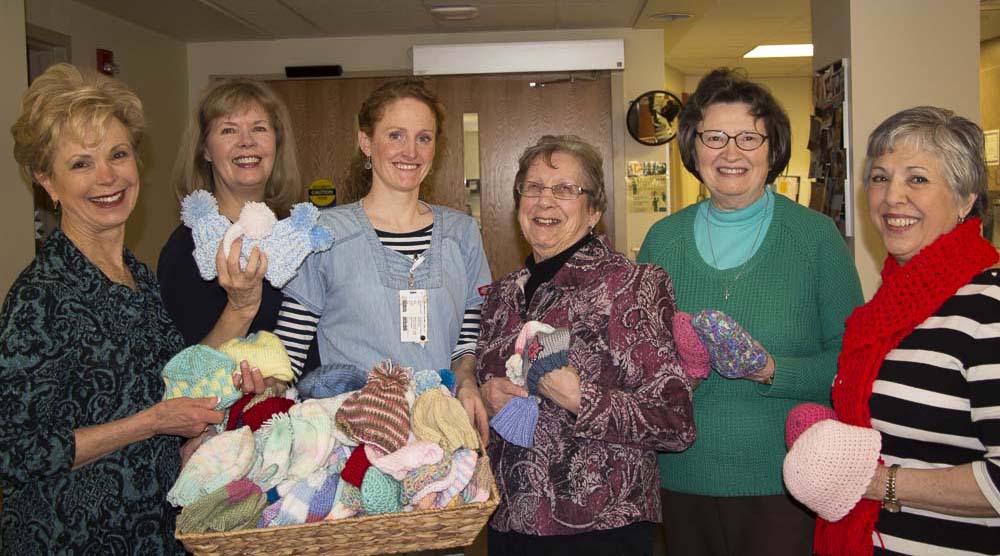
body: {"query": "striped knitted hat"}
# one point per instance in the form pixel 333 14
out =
pixel 543 354
pixel 379 414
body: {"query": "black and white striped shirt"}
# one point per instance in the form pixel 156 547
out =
pixel 297 325
pixel 936 402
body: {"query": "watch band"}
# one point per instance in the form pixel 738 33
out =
pixel 890 502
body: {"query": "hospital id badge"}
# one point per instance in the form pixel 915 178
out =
pixel 413 316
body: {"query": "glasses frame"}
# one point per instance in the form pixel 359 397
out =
pixel 729 138
pixel 579 191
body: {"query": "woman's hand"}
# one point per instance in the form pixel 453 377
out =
pixel 187 417
pixel 562 386
pixel 765 375
pixel 244 287
pixel 496 392
pixel 469 396
pixel 250 381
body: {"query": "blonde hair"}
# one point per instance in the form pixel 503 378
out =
pixel 65 103
pixel 228 96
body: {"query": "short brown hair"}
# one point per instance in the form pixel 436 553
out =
pixel 65 102
pixel 360 178
pixel 587 155
pixel 228 96
pixel 726 86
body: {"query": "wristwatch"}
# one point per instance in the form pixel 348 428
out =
pixel 890 502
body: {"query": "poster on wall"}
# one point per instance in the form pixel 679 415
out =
pixel 648 186
pixel 787 186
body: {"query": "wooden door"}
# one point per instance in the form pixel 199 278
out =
pixel 512 116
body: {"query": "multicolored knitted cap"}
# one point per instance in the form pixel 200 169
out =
pixel 276 446
pixel 264 351
pixel 237 505
pixel 731 349
pixel 295 504
pixel 478 489
pixel 379 414
pixel 201 372
pixel 322 502
pixel 221 459
pixel 423 480
pixel 463 465
pixel 543 354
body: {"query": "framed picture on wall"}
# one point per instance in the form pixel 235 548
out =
pixel 472 185
pixel 991 138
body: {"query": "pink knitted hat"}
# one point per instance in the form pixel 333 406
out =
pixel 803 416
pixel 379 414
pixel 831 465
pixel 694 356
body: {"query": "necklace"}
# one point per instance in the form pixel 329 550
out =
pixel 742 267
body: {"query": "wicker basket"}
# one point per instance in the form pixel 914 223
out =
pixel 377 534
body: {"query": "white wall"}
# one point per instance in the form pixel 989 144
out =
pixel 388 55
pixel 155 67
pixel 16 228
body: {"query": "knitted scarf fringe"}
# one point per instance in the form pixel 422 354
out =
pixel 909 295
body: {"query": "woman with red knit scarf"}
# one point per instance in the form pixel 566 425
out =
pixel 911 465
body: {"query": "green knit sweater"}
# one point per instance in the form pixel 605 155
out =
pixel 792 296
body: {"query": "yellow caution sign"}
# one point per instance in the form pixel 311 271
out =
pixel 322 193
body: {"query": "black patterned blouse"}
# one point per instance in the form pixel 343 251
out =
pixel 76 350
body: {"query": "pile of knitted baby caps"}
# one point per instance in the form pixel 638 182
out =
pixel 693 355
pixel 221 459
pixel 830 464
pixel 327 381
pixel 237 505
pixel 286 242
pixel 379 413
pixel 201 372
pixel 731 349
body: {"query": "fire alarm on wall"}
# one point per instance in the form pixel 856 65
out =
pixel 106 62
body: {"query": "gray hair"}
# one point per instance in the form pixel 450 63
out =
pixel 956 141
pixel 590 159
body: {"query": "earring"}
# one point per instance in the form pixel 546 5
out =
pixel 55 205
pixel 961 219
pixel 368 163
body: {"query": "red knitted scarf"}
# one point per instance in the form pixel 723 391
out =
pixel 909 295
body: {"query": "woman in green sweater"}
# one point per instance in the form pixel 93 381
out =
pixel 783 272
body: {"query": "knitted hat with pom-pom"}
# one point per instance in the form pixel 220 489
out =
pixel 516 420
pixel 379 414
pixel 831 465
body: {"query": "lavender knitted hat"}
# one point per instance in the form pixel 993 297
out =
pixel 516 420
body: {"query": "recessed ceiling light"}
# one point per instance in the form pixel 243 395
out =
pixel 780 51
pixel 670 16
pixel 454 13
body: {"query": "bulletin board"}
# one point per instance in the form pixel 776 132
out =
pixel 829 152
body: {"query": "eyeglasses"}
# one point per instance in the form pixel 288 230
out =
pixel 745 140
pixel 564 191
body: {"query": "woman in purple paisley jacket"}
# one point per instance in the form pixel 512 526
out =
pixel 589 483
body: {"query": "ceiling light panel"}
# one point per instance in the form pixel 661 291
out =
pixel 780 51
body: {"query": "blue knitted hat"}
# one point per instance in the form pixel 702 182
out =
pixel 516 421
pixel 544 353
pixel 286 247
pixel 328 381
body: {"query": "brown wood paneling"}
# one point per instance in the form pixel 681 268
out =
pixel 512 116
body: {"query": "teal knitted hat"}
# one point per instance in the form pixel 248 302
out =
pixel 380 493
pixel 201 372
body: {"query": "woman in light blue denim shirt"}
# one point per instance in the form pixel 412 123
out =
pixel 403 276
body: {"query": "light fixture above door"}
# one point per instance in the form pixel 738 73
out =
pixel 460 12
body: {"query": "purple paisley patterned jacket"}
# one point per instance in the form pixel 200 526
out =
pixel 596 470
